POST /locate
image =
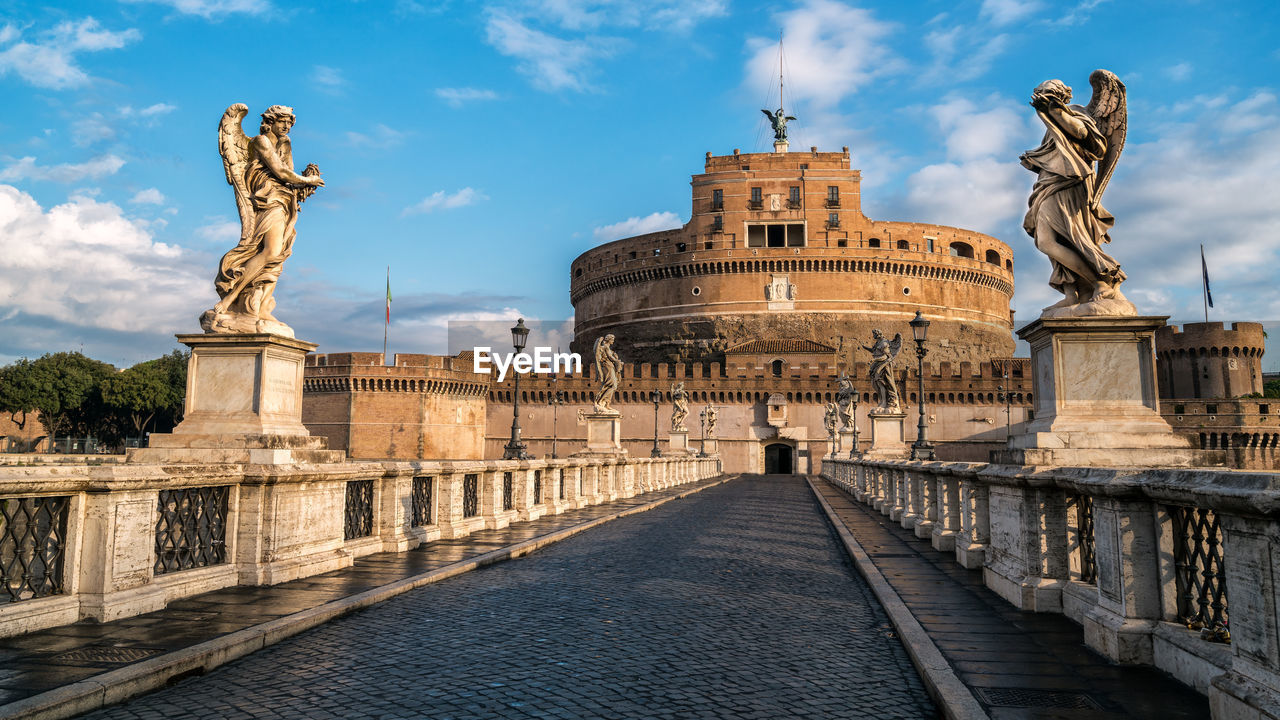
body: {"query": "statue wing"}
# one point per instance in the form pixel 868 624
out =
pixel 895 345
pixel 233 145
pixel 1110 111
pixel 767 114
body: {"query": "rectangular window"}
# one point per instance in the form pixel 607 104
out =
pixel 1264 409
pixel 1179 409
pixel 717 225
pixel 833 220
pixel 1211 409
pixel 755 235
pixel 776 235
pixel 795 196
pixel 717 199
pixel 930 244
pixel 833 196
pixel 757 196
pixel 842 243
pixel 873 243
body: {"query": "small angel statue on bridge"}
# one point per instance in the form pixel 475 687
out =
pixel 268 195
pixel 883 353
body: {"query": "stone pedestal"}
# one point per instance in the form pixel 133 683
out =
pixel 847 444
pixel 678 442
pixel 710 446
pixel 888 436
pixel 604 435
pixel 243 405
pixel 1096 397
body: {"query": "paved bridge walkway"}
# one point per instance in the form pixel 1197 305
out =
pixel 736 602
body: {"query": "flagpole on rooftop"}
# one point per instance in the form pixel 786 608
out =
pixel 386 323
pixel 1204 275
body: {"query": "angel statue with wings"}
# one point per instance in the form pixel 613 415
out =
pixel 608 367
pixel 679 407
pixel 883 353
pixel 268 193
pixel 779 122
pixel 1065 214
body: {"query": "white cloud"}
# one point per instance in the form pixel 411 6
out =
pixel 552 63
pixel 632 226
pixel 150 196
pixel 961 53
pixel 50 61
pixel 26 169
pixel 136 284
pixel 455 97
pixel 1179 72
pixel 671 15
pixel 328 79
pixel 91 129
pixel 832 50
pixel 150 111
pixel 440 200
pixel 220 231
pixel 1007 12
pixel 212 9
pixel 379 136
pixel 981 186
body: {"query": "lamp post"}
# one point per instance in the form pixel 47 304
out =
pixel 702 432
pixel 556 399
pixel 516 449
pixel 655 396
pixel 1008 406
pixel 921 449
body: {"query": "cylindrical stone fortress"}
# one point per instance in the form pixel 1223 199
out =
pixel 777 247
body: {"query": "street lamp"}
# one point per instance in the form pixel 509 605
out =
pixel 516 449
pixel 921 449
pixel 655 396
pixel 556 399
pixel 1008 406
pixel 702 431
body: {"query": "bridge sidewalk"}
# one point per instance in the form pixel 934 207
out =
pixel 68 670
pixel 963 637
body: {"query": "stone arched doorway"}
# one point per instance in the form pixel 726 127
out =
pixel 779 458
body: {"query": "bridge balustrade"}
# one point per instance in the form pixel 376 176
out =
pixel 112 541
pixel 1143 558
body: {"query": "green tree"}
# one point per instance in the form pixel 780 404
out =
pixel 152 390
pixel 17 392
pixel 66 391
pixel 1271 389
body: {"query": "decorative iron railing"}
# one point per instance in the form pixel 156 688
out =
pixel 358 515
pixel 470 495
pixel 560 483
pixel 508 502
pixel 1201 582
pixel 421 500
pixel 537 487
pixel 191 530
pixel 1081 507
pixel 33 538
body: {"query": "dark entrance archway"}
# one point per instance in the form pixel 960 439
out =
pixel 779 459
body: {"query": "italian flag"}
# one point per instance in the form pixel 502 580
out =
pixel 388 296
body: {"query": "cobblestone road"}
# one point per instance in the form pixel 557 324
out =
pixel 733 603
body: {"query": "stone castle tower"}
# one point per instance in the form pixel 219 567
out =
pixel 1203 360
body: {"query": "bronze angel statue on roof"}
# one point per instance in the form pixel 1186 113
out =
pixel 883 352
pixel 1065 214
pixel 779 122
pixel 268 194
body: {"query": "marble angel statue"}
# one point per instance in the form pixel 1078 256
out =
pixel 608 368
pixel 679 407
pixel 883 353
pixel 1065 216
pixel 268 194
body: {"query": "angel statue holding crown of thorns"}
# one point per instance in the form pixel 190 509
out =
pixel 1065 214
pixel 268 194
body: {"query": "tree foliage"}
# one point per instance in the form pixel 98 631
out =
pixel 75 395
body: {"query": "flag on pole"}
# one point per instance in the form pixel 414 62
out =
pixel 388 295
pixel 1204 270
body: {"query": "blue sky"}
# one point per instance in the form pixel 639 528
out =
pixel 478 147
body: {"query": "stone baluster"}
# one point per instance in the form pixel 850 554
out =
pixel 912 508
pixel 1126 550
pixel 928 490
pixel 975 521
pixel 947 528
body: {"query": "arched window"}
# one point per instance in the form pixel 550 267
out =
pixel 993 257
pixel 873 243
pixel 904 245
pixel 777 368
pixel 959 249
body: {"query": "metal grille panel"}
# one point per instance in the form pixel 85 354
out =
pixel 358 514
pixel 191 530
pixel 105 654
pixel 422 490
pixel 33 538
pixel 470 495
pixel 1029 697
pixel 537 487
pixel 508 502
pixel 560 480
pixel 1083 505
pixel 1198 567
